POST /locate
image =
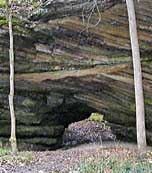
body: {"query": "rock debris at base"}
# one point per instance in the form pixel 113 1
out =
pixel 67 160
pixel 51 161
pixel 64 160
pixel 87 132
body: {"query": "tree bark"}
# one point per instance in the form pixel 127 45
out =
pixel 11 95
pixel 140 112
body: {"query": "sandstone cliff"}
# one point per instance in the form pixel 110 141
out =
pixel 64 72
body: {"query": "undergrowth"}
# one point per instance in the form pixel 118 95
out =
pixel 116 162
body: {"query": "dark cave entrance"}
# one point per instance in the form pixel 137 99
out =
pixel 83 125
pixel 74 114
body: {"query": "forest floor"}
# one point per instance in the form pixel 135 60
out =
pixel 95 156
pixel 91 158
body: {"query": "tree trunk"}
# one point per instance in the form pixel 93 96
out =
pixel 11 95
pixel 140 112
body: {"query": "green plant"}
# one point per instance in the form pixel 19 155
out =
pixel 96 117
pixel 20 157
pixel 2 3
pixel 4 151
pixel 114 165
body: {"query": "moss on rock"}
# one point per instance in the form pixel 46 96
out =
pixel 96 117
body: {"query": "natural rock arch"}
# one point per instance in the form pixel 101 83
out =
pixel 88 72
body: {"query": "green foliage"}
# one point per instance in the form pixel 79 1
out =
pixel 114 165
pixel 2 3
pixel 4 21
pixel 35 4
pixel 21 157
pixel 96 117
pixel 4 151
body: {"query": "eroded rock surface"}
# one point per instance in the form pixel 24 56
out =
pixel 64 73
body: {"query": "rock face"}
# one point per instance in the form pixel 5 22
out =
pixel 64 72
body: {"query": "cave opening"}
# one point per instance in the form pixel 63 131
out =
pixel 84 125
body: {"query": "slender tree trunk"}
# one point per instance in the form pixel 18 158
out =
pixel 11 95
pixel 140 112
